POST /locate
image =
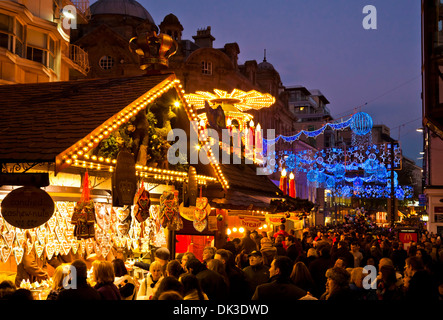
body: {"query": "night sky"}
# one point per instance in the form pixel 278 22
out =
pixel 321 44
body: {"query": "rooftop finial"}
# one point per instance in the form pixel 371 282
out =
pixel 264 58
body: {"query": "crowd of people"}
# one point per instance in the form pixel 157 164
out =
pixel 349 262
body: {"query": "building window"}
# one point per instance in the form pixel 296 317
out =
pixel 106 62
pixel 40 48
pixel 6 31
pixel 12 34
pixel 206 67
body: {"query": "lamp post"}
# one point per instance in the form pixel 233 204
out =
pixel 392 184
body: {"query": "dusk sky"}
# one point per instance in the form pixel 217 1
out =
pixel 321 44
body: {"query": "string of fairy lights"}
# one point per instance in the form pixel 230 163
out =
pixel 78 154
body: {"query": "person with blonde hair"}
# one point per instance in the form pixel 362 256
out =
pixel 149 285
pixel 105 277
pixel 57 281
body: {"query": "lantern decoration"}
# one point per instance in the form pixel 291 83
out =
pixel 292 185
pixel 283 182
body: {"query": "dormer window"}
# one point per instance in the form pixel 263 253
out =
pixel 106 62
pixel 206 67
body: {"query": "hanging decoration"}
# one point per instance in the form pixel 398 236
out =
pixel 84 213
pixel 169 211
pixel 142 204
pixel 360 123
pixel 201 213
pixel 362 170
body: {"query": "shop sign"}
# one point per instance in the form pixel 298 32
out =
pixel 251 223
pixel 212 223
pixel 275 219
pixel 27 207
pixel 406 236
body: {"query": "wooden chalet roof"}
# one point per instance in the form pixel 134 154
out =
pixel 39 121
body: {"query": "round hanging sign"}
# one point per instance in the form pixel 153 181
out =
pixel 27 207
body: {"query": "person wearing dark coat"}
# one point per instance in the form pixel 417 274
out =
pixel 418 282
pixel 318 268
pixel 280 287
pixel 281 251
pixel 293 250
pixel 337 286
pixel 256 273
pixel 83 290
pixel 238 286
pixel 247 245
pixel 211 282
pixel 343 253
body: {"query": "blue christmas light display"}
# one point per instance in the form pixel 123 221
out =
pixel 360 123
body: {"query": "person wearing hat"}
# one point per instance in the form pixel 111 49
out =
pixel 337 285
pixel 256 273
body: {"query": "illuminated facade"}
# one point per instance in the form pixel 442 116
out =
pixel 34 44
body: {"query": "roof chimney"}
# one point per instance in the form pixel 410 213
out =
pixel 204 39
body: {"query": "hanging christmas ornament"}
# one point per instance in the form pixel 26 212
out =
pixel 142 204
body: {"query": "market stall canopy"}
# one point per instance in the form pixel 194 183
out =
pixel 39 122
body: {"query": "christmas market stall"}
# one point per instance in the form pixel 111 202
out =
pixel 85 172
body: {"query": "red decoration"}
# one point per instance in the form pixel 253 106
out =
pixel 283 182
pixel 291 185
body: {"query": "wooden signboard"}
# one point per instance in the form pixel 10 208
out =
pixel 124 180
pixel 27 207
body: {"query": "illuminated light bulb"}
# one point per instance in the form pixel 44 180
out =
pixel 90 144
pixel 68 161
pixel 114 161
pixel 100 159
pixel 85 149
pixel 265 226
pixel 241 230
pixel 94 157
pixel 234 229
